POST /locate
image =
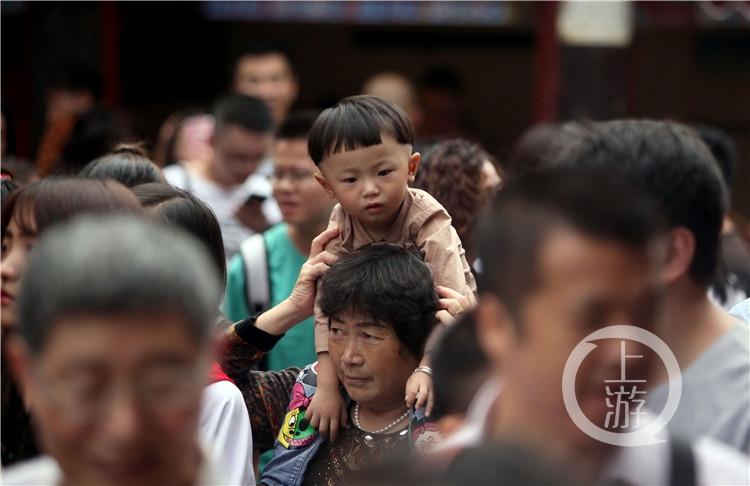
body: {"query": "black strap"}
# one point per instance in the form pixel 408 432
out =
pixel 683 463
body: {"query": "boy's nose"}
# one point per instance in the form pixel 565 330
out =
pixel 371 189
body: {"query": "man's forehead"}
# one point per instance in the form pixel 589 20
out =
pixel 120 334
pixel 292 151
pixel 264 62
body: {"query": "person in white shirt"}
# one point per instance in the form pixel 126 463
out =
pixel 243 134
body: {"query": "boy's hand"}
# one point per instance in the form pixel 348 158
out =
pixel 452 305
pixel 419 391
pixel 327 411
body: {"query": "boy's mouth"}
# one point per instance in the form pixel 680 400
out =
pixel 374 208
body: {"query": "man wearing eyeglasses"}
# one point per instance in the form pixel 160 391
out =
pixel 272 260
pixel 113 353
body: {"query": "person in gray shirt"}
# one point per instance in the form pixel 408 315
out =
pixel 672 164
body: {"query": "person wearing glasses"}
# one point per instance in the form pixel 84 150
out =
pixel 264 272
pixel 114 358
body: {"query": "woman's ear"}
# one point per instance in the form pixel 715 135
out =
pixel 414 160
pixel 495 329
pixel 679 256
pixel 324 183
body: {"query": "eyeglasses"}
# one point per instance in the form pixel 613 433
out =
pixel 159 390
pixel 294 176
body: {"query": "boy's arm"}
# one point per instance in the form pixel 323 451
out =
pixel 445 255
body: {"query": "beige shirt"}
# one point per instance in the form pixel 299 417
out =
pixel 421 222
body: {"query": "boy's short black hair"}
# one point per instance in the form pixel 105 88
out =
pixel 594 203
pixel 247 112
pixel 387 283
pixel 671 164
pixel 358 122
pixel 297 126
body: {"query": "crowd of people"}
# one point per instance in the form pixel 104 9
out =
pixel 357 296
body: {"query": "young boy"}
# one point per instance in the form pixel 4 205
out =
pixel 362 148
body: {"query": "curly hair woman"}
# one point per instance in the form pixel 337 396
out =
pixel 461 176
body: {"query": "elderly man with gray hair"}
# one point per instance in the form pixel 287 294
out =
pixel 113 351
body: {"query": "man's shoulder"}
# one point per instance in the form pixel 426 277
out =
pixel 718 463
pixel 42 470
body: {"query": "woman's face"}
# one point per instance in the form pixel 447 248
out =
pixel 17 242
pixel 371 362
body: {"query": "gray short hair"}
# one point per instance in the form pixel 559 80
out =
pixel 117 264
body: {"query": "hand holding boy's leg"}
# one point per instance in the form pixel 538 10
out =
pixel 327 411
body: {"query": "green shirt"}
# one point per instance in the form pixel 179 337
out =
pixel 297 347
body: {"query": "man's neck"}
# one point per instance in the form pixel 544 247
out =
pixel 690 323
pixel 512 422
pixel 302 235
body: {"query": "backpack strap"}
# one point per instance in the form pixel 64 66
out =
pixel 257 284
pixel 682 472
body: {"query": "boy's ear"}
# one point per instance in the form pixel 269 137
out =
pixel 414 160
pixel 324 183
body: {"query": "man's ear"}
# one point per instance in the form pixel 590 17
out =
pixel 680 252
pixel 324 183
pixel 17 355
pixel 414 160
pixel 495 329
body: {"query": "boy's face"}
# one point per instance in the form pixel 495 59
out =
pixel 371 182
pixel 301 199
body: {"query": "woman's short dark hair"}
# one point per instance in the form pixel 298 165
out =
pixel 387 283
pixel 186 211
pixel 126 163
pixel 358 122
pixel 43 203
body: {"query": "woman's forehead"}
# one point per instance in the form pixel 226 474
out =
pixel 354 319
pixel 23 220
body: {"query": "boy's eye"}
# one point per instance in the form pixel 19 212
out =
pixel 385 172
pixel 371 338
pixel 349 180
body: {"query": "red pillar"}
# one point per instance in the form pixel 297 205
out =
pixel 546 63
pixel 111 51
